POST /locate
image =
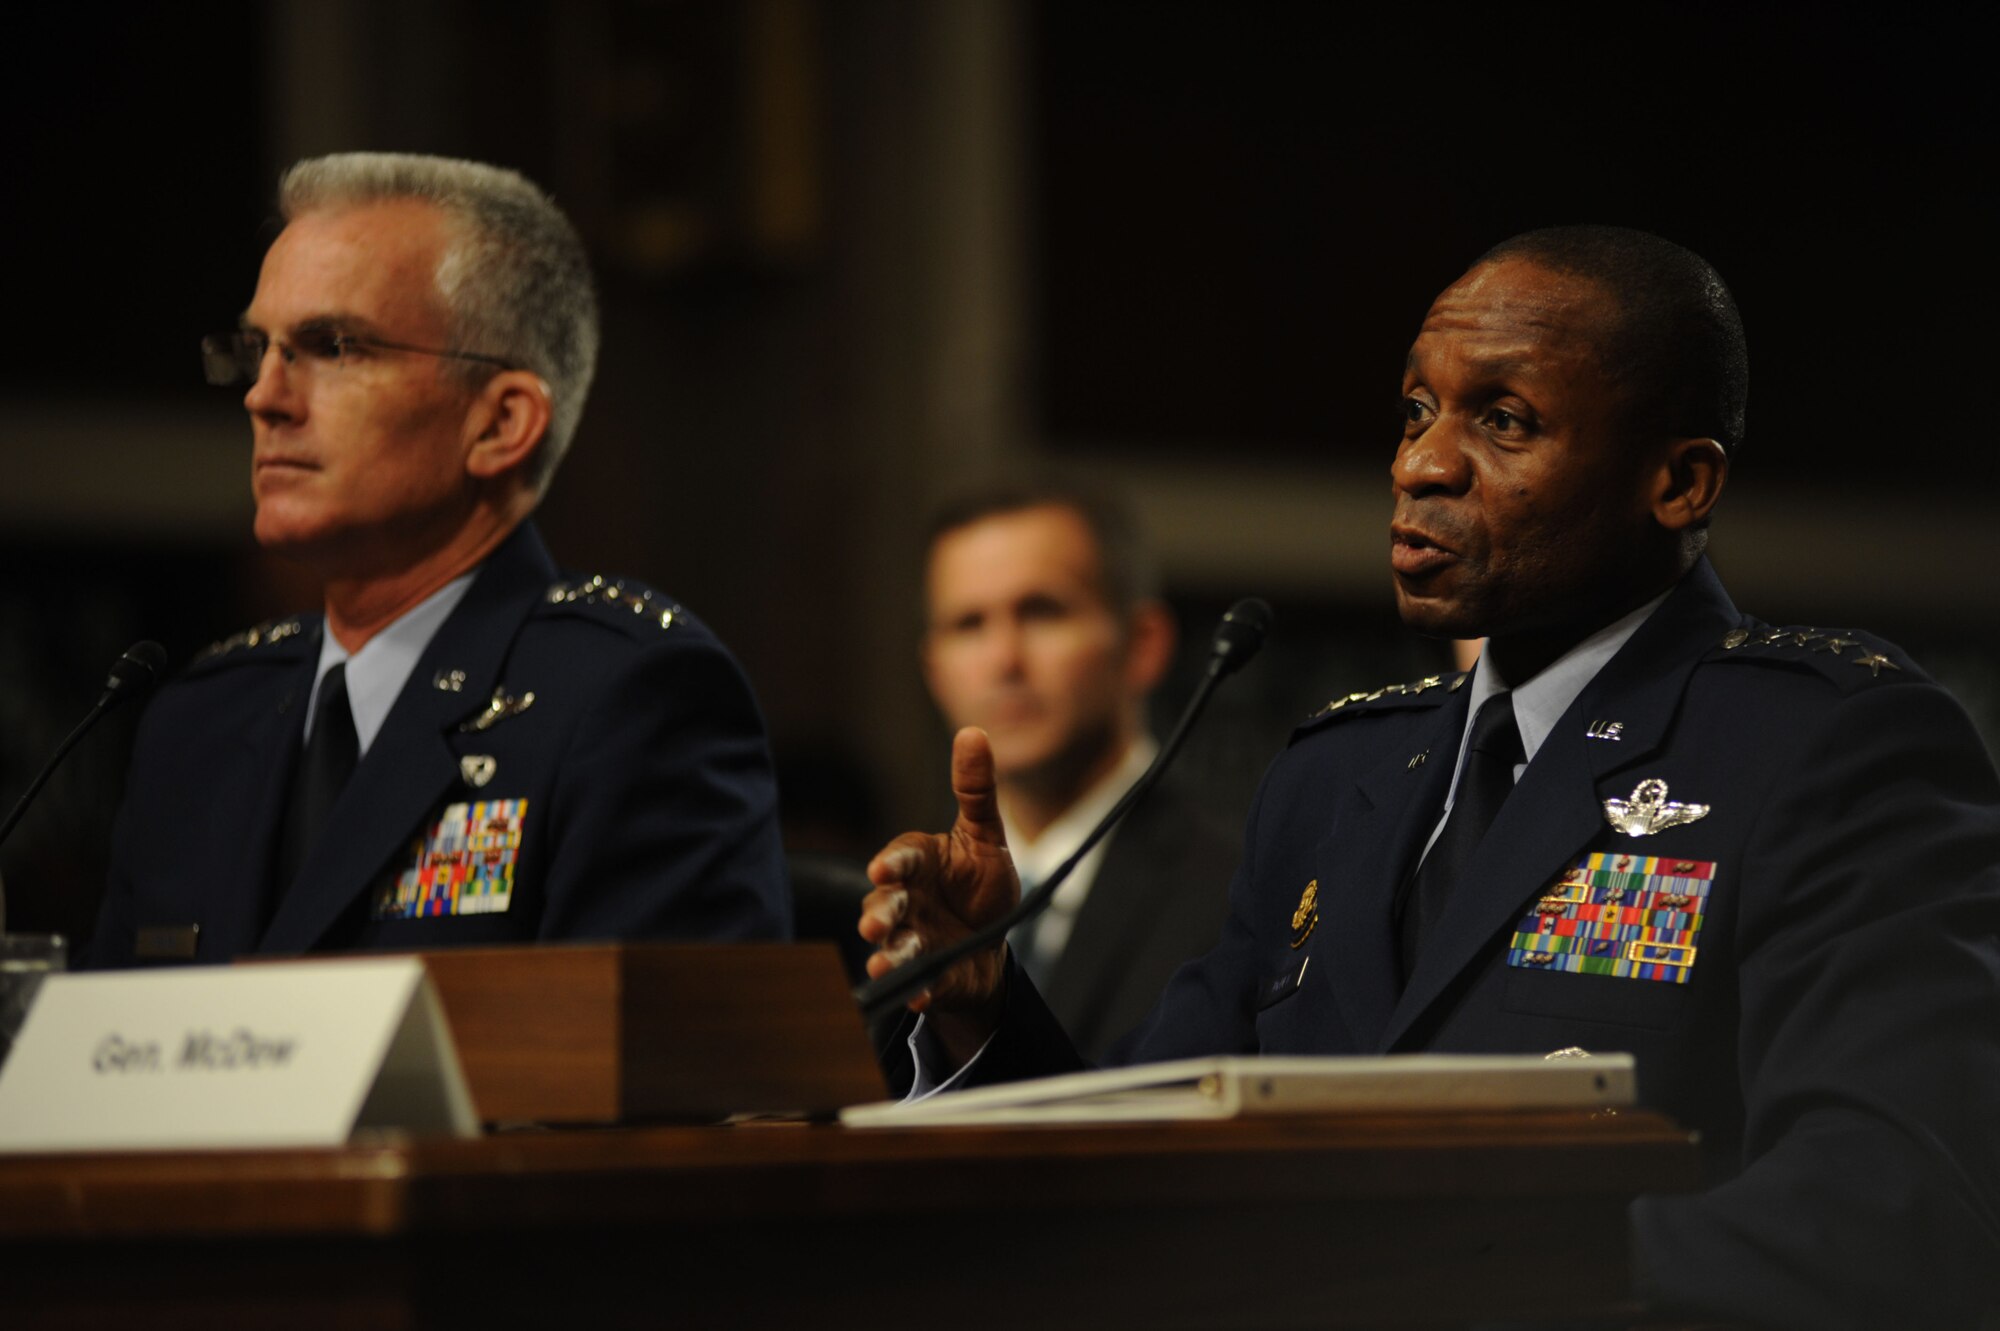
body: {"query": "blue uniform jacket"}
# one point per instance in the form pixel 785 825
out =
pixel 631 798
pixel 1822 995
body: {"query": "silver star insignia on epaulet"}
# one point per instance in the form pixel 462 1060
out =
pixel 1411 689
pixel 1649 810
pixel 270 631
pixel 598 590
pixel 1874 663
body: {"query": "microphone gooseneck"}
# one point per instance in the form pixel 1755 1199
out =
pixel 1236 640
pixel 132 675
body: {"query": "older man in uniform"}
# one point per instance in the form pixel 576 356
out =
pixel 467 746
pixel 1761 859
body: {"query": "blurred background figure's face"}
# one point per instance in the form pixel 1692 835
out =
pixel 1021 642
pixel 359 460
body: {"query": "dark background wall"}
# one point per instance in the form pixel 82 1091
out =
pixel 1244 210
pixel 853 250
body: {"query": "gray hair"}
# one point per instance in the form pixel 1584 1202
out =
pixel 515 281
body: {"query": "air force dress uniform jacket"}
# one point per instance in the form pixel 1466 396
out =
pixel 570 759
pixel 1762 860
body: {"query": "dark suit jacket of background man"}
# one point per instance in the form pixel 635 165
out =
pixel 1158 900
pixel 1837 1040
pixel 651 808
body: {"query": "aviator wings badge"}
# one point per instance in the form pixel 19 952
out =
pixel 1649 810
pixel 502 706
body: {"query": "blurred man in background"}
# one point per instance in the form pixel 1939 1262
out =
pixel 1044 628
pixel 466 746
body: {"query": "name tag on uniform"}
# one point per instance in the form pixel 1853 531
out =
pixel 1281 987
pixel 464 865
pixel 1631 917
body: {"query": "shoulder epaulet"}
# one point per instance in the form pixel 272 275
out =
pixel 1416 692
pixel 1846 656
pixel 619 599
pixel 263 635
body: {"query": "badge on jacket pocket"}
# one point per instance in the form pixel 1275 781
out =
pixel 463 866
pixel 1632 917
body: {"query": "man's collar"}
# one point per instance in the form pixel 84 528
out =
pixel 1541 701
pixel 482 615
pixel 376 674
pixel 1038 858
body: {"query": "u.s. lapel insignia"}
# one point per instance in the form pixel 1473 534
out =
pixel 502 705
pixel 1307 915
pixel 1649 810
pixel 477 769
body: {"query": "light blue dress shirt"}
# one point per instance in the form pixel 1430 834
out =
pixel 376 674
pixel 1541 702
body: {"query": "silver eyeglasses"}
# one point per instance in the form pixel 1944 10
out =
pixel 237 357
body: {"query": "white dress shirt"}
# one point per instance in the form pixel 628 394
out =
pixel 1036 859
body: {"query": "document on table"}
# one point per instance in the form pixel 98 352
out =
pixel 1232 1087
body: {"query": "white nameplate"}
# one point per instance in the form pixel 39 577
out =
pixel 282 1055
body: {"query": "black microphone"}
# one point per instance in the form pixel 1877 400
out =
pixel 132 675
pixel 142 666
pixel 1237 639
pixel 1238 636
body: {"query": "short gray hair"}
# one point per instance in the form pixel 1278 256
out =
pixel 516 280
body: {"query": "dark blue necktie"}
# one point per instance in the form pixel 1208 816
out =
pixel 328 760
pixel 1483 786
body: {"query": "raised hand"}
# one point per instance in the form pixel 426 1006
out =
pixel 931 890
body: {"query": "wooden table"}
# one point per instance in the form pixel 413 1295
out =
pixel 1323 1221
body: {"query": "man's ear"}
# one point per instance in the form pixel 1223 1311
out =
pixel 1149 648
pixel 507 423
pixel 1689 481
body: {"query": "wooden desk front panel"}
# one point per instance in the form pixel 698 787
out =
pixel 1295 1222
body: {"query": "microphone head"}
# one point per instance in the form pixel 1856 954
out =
pixel 143 665
pixel 1239 635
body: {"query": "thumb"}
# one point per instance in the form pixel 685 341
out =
pixel 973 782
